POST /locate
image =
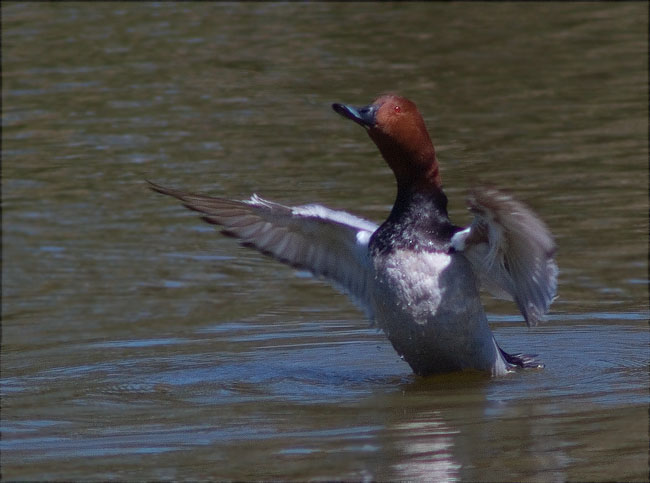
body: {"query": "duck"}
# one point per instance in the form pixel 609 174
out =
pixel 416 276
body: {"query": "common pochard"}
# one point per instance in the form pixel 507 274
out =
pixel 417 275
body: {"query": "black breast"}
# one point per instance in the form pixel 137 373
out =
pixel 418 222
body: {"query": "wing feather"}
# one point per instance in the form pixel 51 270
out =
pixel 330 244
pixel 511 251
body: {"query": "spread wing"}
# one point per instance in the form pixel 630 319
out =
pixel 511 251
pixel 331 244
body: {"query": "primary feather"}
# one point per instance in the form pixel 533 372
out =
pixel 328 243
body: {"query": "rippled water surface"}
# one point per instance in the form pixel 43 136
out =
pixel 137 343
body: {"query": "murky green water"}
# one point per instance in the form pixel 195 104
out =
pixel 139 344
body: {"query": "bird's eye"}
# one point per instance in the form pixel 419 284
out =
pixel 397 109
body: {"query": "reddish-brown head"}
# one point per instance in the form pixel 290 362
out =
pixel 398 130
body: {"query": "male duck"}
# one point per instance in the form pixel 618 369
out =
pixel 416 275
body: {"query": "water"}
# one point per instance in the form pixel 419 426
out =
pixel 139 344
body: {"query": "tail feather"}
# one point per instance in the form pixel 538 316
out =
pixel 526 361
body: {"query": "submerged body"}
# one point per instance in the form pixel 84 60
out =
pixel 417 275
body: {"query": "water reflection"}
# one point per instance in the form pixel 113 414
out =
pixel 428 453
pixel 449 428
